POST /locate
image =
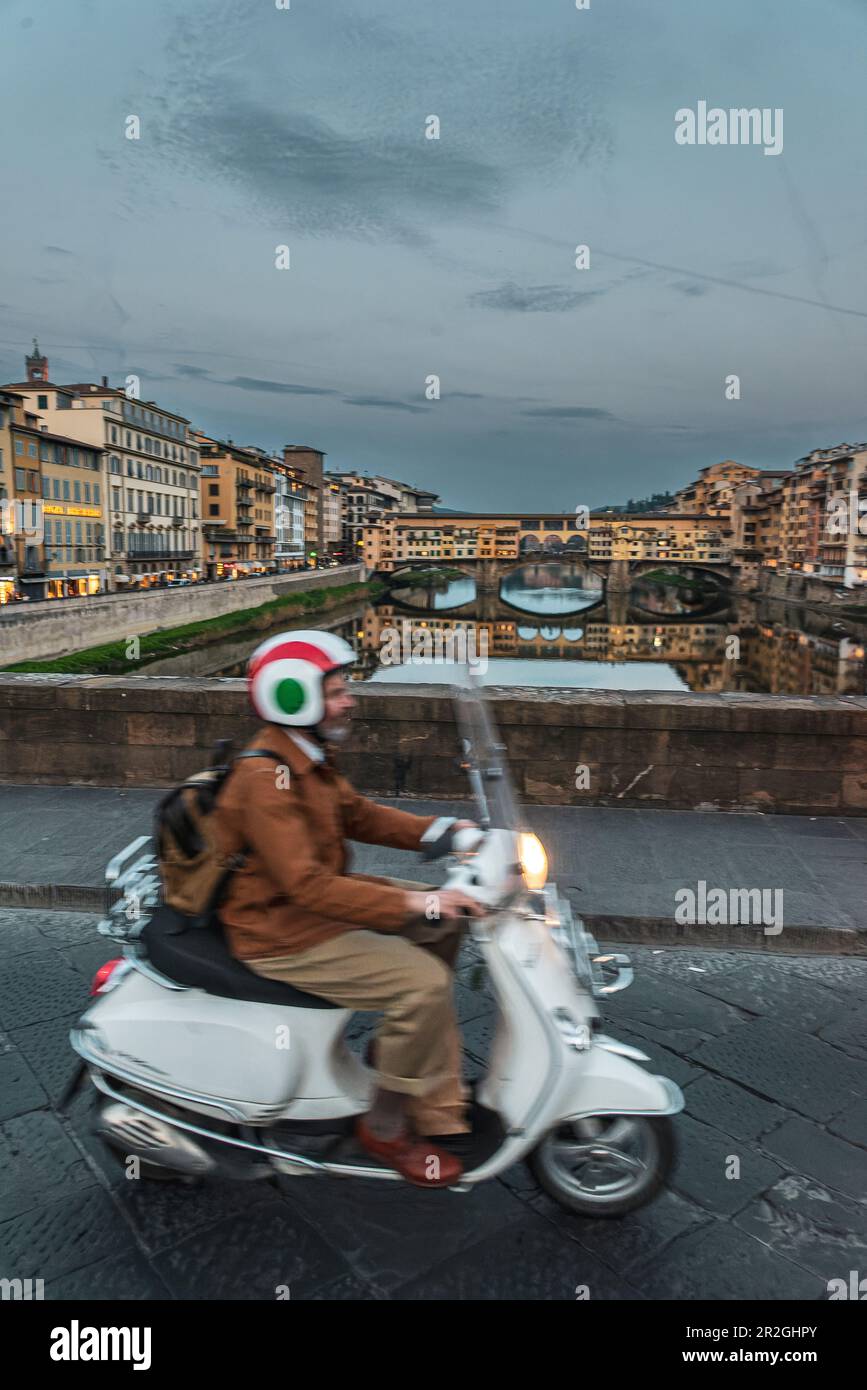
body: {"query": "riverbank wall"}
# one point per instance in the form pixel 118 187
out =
pixel 52 629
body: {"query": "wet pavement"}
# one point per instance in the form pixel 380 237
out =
pixel 771 1051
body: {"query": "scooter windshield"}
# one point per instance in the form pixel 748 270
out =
pixel 485 758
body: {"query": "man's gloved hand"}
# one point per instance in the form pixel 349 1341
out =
pixel 444 905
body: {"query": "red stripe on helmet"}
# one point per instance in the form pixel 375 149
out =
pixel 292 651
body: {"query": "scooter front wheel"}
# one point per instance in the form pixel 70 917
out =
pixel 605 1165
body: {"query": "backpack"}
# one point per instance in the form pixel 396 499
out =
pixel 194 871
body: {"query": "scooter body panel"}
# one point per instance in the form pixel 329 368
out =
pixel 265 1060
pixel 544 1067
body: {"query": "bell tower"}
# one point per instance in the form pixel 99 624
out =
pixel 36 364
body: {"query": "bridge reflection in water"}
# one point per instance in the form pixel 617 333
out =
pixel 553 625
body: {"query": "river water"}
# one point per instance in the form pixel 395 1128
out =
pixel 553 624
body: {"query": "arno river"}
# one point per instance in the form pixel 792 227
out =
pixel 553 624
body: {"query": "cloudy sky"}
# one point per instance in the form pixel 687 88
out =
pixel 411 257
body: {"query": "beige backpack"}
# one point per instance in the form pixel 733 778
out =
pixel 193 869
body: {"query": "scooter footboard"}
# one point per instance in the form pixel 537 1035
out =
pixel 613 1085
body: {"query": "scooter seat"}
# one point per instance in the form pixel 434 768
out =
pixel 199 958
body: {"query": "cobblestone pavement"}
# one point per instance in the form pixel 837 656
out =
pixel 771 1053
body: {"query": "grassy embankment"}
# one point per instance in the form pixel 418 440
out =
pixel 111 659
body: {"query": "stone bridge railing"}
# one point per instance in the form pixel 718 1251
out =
pixel 567 747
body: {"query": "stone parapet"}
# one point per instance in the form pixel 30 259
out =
pixel 801 755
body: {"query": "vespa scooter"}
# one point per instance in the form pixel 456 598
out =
pixel 202 1067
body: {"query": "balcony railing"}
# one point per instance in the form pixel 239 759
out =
pixel 148 555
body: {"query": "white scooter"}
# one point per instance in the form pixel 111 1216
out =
pixel 204 1067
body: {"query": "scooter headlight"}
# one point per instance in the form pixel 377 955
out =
pixel 534 861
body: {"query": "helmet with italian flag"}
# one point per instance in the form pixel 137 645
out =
pixel 285 676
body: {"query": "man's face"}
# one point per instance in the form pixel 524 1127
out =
pixel 339 704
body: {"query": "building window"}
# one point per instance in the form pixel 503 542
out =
pixel 19 446
pixel 214 510
pixel 41 402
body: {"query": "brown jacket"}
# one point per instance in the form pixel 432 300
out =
pixel 294 889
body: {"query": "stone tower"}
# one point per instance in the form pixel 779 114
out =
pixel 36 364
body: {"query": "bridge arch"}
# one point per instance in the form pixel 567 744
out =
pixel 718 574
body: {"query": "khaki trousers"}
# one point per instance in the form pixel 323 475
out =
pixel 407 975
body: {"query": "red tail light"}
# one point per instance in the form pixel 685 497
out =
pixel 103 975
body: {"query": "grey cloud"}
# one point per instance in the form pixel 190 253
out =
pixel 381 403
pixel 183 369
pixel 534 299
pixel 318 178
pixel 690 288
pixel 281 388
pixel 571 412
pixel 349 156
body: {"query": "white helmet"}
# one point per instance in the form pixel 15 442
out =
pixel 285 675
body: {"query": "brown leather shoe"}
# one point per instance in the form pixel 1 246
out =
pixel 416 1159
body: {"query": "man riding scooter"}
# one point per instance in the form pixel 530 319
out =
pixel 294 913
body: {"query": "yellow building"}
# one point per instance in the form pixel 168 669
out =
pixel 238 520
pixel 711 493
pixel 8 554
pixel 148 474
pixel 57 523
pixel 396 539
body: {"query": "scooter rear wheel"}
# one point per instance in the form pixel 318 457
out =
pixel 605 1165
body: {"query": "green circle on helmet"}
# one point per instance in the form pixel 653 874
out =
pixel 289 696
